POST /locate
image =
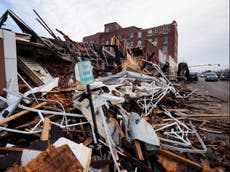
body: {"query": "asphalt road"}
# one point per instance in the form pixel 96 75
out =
pixel 218 89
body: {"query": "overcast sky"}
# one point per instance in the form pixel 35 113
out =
pixel 203 25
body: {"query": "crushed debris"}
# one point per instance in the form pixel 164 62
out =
pixel 130 117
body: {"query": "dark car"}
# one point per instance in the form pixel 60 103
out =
pixel 225 76
pixel 211 76
pixel 193 76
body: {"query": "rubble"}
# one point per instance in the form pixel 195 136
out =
pixel 50 159
pixel 132 117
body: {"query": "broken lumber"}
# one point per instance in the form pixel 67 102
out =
pixel 171 110
pixel 209 115
pixel 138 150
pixel 88 141
pixel 32 122
pixel 14 149
pixel 180 158
pixel 114 121
pixel 19 114
pixel 45 130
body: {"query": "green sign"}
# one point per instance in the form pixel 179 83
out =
pixel 85 70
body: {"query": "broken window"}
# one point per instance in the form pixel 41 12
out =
pixel 139 34
pixel 165 29
pixel 156 30
pixel 102 40
pixel 150 33
pixel 131 35
pixel 165 40
pixel 139 42
pixel 165 49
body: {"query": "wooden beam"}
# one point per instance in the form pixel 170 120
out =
pixel 199 115
pixel 19 114
pixel 82 129
pixel 35 121
pixel 15 149
pixel 170 119
pixel 209 115
pixel 88 141
pixel 114 121
pixel 138 150
pixel 171 110
pixel 45 130
pixel 180 158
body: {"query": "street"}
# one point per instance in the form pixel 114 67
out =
pixel 218 89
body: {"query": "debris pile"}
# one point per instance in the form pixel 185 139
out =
pixel 132 117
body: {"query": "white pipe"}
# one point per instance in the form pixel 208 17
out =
pixel 108 137
pixel 50 112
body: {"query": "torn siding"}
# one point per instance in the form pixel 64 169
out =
pixel 2 64
pixel 8 45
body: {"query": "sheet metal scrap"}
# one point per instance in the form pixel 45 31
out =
pixel 148 90
pixel 177 135
pixel 64 123
pixel 139 129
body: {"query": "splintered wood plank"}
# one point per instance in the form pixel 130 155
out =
pixel 45 130
pixel 209 115
pixel 171 110
pixel 167 163
pixel 179 158
pixel 88 141
pixel 115 123
pixel 19 114
pixel 82 129
pixel 14 149
pixel 138 150
pixel 35 121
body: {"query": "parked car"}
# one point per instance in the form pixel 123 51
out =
pixel 202 75
pixel 211 76
pixel 225 76
pixel 193 76
pixel 218 74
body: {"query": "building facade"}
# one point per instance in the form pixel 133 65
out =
pixel 165 36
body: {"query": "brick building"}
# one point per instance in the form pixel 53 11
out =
pixel 165 36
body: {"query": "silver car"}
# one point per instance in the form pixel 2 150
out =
pixel 211 76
